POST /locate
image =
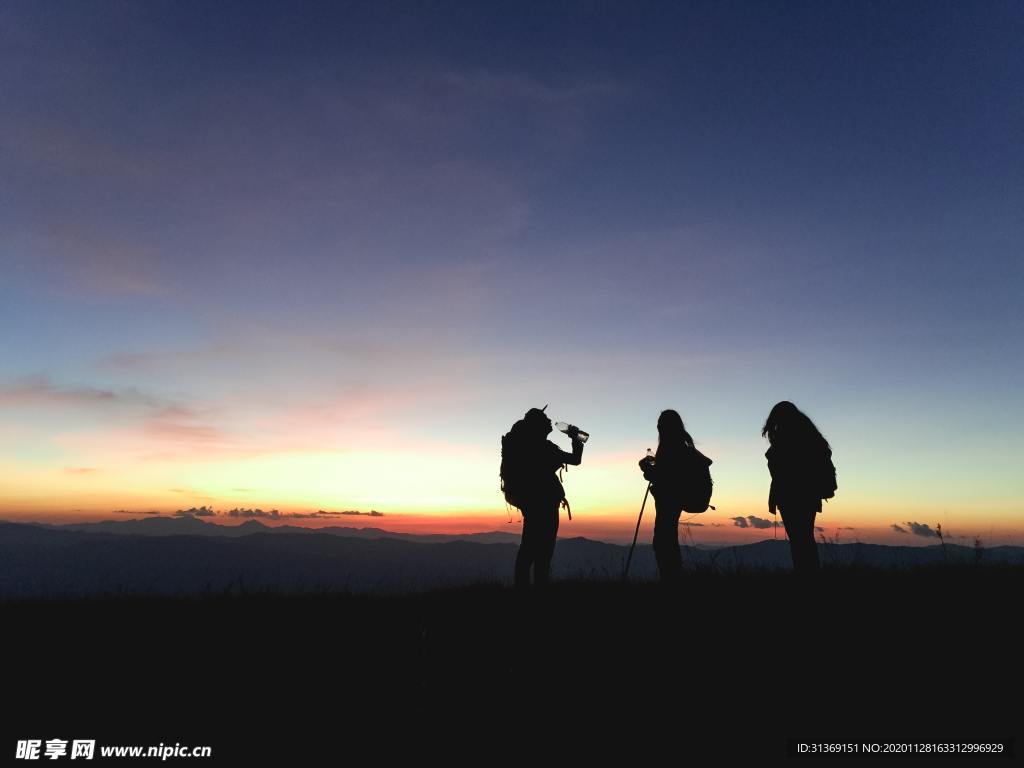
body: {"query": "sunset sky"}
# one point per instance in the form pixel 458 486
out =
pixel 320 256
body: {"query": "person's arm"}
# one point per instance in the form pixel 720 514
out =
pixel 772 499
pixel 574 458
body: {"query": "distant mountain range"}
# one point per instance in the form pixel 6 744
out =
pixel 195 526
pixel 187 556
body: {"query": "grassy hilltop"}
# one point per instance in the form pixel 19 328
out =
pixel 751 656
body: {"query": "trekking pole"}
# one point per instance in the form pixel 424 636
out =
pixel 636 533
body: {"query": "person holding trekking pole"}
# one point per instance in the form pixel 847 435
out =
pixel 529 462
pixel 679 480
pixel 800 463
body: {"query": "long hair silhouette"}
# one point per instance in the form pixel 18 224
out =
pixel 789 427
pixel 672 435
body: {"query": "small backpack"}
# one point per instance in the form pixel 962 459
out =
pixel 698 487
pixel 828 487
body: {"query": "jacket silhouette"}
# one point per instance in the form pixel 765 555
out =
pixel 538 493
pixel 800 464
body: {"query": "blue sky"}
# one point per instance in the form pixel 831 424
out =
pixel 270 229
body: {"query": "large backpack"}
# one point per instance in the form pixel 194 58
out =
pixel 698 486
pixel 513 470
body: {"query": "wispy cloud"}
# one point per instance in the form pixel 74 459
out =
pixel 151 426
pixel 203 511
pixel 271 514
pixel 920 529
pixel 181 424
pixel 39 390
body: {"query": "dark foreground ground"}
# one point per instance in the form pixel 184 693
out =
pixel 727 667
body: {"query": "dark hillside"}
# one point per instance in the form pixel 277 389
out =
pixel 734 661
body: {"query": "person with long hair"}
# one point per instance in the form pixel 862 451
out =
pixel 800 463
pixel 675 468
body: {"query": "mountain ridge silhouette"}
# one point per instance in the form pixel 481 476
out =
pixel 43 562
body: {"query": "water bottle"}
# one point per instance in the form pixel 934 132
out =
pixel 647 463
pixel 561 426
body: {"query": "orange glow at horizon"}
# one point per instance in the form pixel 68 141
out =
pixel 434 487
pixel 607 524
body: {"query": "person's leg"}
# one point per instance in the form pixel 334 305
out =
pixel 794 532
pixel 546 536
pixel 799 524
pixel 666 545
pixel 527 551
pixel 811 561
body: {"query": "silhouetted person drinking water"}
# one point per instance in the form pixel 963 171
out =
pixel 680 481
pixel 800 463
pixel 529 462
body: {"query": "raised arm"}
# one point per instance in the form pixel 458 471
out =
pixel 574 458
